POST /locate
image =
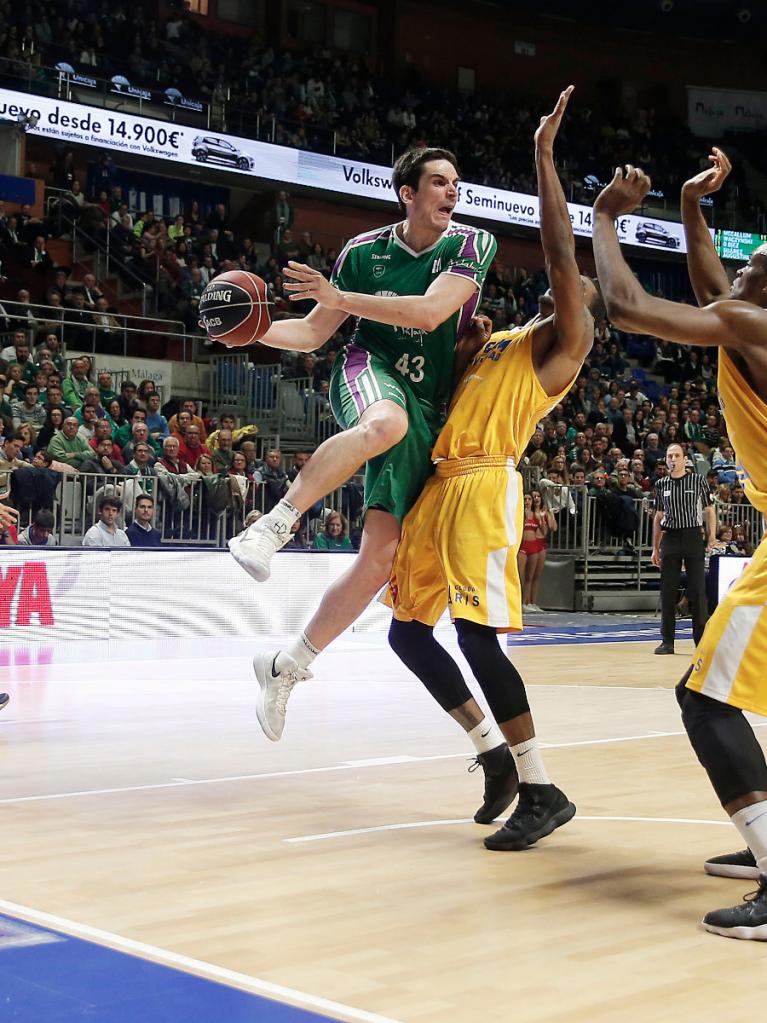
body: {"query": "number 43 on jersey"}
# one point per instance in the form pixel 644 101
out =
pixel 411 366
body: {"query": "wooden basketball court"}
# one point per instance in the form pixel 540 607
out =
pixel 340 870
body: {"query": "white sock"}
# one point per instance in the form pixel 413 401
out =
pixel 283 512
pixel 529 763
pixel 486 735
pixel 751 822
pixel 302 652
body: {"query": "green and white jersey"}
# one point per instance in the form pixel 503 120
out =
pixel 380 263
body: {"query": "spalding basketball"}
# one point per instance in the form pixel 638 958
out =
pixel 233 308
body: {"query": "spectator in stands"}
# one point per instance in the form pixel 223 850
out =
pixel 723 460
pixel 115 409
pixel 124 434
pixel 106 533
pixel 145 388
pixel 141 532
pixel 76 384
pixel 88 420
pixel 51 343
pixel 127 398
pixel 275 479
pixel 66 446
pixel 54 421
pixel 157 423
pixel 39 533
pixel 189 405
pixel 10 460
pixel 140 435
pixel 109 334
pixel 740 541
pixel 106 391
pixel 16 386
pixel 191 447
pixel 103 431
pixel 223 452
pixel 334 535
pixel 102 458
pixel 29 410
pixel 18 350
pixel 738 494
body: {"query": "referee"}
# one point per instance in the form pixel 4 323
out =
pixel 682 504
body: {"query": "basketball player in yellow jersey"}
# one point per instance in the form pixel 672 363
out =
pixel 459 543
pixel 729 670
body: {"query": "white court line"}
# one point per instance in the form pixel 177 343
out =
pixel 348 765
pixel 470 820
pixel 197 967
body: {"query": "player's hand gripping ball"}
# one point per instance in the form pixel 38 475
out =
pixel 234 310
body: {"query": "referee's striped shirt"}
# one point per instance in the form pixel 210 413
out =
pixel 682 500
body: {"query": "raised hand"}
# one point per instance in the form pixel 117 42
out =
pixel 625 192
pixel 549 124
pixel 710 180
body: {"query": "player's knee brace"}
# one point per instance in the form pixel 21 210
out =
pixel 724 743
pixel 498 678
pixel 416 647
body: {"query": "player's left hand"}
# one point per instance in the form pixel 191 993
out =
pixel 625 192
pixel 307 283
pixel 549 123
pixel 476 335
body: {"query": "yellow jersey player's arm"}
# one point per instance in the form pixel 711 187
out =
pixel 739 324
pixel 306 335
pixel 707 275
pixel 561 343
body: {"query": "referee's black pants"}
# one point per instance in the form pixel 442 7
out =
pixel 688 546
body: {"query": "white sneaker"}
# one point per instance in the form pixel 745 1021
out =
pixel 254 549
pixel 274 691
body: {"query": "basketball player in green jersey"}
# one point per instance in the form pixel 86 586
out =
pixel 413 287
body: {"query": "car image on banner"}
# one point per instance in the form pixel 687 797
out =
pixel 207 149
pixel 649 232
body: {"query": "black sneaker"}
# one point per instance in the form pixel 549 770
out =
pixel 664 648
pixel 748 920
pixel 4 698
pixel 739 864
pixel 540 810
pixel 501 782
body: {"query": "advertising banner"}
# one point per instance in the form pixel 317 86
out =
pixel 55 595
pixel 143 136
pixel 730 570
pixel 712 112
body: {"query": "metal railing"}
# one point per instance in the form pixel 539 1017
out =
pixel 58 321
pixel 288 407
pixel 190 510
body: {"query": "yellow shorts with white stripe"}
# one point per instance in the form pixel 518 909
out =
pixel 730 662
pixel 459 547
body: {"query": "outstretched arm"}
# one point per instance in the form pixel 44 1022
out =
pixel 558 356
pixel 422 312
pixel 304 335
pixel 732 324
pixel 707 275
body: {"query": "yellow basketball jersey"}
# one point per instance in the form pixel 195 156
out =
pixel 746 417
pixel 498 402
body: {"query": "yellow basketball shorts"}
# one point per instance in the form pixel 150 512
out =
pixel 730 662
pixel 459 547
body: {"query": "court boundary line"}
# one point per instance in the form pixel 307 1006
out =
pixel 187 964
pixel 348 765
pixel 353 832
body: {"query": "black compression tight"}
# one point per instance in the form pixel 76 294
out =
pixel 498 678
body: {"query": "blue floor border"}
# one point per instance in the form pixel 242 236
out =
pixel 49 976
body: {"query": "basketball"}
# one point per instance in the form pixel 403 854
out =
pixel 233 308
